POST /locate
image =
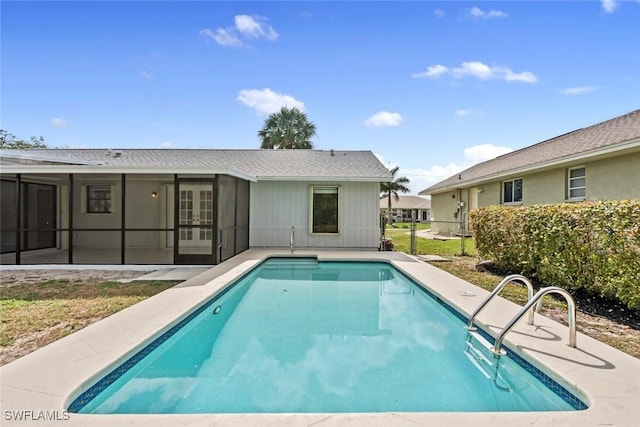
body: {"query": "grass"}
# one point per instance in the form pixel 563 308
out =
pixel 407 225
pixel 34 315
pixel 402 243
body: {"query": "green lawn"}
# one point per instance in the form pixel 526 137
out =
pixel 445 248
pixel 407 225
pixel 34 315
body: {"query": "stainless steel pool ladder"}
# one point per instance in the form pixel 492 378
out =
pixel 292 245
pixel 501 285
pixel 529 306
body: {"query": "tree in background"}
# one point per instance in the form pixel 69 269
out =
pixel 8 140
pixel 288 128
pixel 391 189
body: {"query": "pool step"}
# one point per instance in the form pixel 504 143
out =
pixel 478 350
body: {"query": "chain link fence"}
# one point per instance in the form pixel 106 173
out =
pixel 451 230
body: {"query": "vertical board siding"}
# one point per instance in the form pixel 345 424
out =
pixel 278 205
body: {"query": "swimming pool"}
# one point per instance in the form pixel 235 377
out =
pixel 298 335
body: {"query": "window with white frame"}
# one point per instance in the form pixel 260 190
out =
pixel 577 183
pixel 512 191
pixel 325 209
pixel 98 199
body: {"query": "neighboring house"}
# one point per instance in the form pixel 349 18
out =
pixel 406 208
pixel 599 162
pixel 144 206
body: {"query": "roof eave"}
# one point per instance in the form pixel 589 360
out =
pixel 113 170
pixel 587 155
pixel 323 178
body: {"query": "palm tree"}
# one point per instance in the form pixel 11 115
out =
pixel 392 187
pixel 288 128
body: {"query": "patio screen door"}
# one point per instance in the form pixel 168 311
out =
pixel 195 222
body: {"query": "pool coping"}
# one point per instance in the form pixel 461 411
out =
pixel 47 380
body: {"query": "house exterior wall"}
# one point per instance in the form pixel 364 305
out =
pixel 443 207
pixel 276 206
pixel 611 178
pixel 606 179
pixel 141 211
pixel 614 179
pixel 543 187
pixel 82 219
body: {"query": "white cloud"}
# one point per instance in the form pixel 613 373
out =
pixel 581 90
pixel 249 27
pixel 255 27
pixel 222 36
pixel 525 76
pixel 146 74
pixel 166 144
pixel 481 152
pixel 462 113
pixel 476 12
pixel 433 71
pixel 439 13
pixel 478 70
pixel 609 5
pixel 266 101
pixel 383 118
pixel 475 69
pixel 419 179
pixel 59 122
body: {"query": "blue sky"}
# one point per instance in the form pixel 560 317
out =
pixel 432 87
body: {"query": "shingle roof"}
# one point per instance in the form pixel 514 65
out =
pixel 590 140
pixel 406 202
pixel 261 164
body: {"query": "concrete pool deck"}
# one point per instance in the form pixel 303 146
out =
pixel 40 386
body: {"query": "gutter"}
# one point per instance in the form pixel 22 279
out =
pixel 607 151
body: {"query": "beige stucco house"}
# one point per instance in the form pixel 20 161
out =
pixel 599 162
pixel 407 207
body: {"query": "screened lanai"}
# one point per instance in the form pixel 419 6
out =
pixel 124 218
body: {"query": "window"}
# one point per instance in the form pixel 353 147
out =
pixel 512 191
pixel 324 208
pixel 98 199
pixel 577 180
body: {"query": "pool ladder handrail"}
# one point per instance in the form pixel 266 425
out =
pixel 292 245
pixel 537 298
pixel 501 285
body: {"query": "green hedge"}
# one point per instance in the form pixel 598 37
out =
pixel 592 245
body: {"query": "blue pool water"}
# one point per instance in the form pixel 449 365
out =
pixel 297 335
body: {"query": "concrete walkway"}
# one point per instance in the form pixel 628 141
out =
pixel 181 273
pixel 428 234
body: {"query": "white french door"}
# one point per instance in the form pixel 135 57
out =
pixel 195 218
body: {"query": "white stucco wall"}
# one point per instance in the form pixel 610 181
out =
pixel 276 206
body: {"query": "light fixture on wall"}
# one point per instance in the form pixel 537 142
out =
pixel 154 194
pixel 481 190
